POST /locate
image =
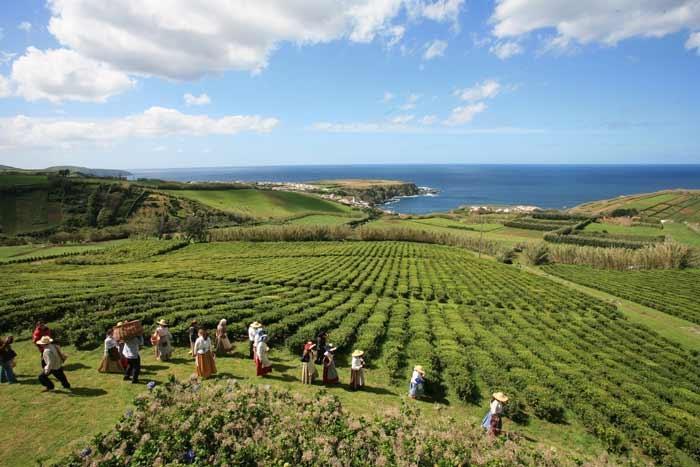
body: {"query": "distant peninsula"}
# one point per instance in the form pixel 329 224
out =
pixel 74 169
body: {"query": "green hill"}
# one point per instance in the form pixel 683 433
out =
pixel 268 204
pixel 677 205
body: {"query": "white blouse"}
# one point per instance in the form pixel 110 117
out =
pixel 356 363
pixel 202 345
pixel 110 342
pixel 496 407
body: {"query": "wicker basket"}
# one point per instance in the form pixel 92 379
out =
pixel 128 329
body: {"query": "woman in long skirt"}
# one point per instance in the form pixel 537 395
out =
pixel 162 341
pixel 308 370
pixel 263 365
pixel 357 372
pixel 416 387
pixel 492 421
pixel 205 364
pixel 223 345
pixel 111 360
pixel 330 374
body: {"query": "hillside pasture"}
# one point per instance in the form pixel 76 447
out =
pixel 265 204
pixel 677 205
pixel 475 325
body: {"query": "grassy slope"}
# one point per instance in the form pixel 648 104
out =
pixel 100 399
pixel 8 179
pixel 625 230
pixel 505 235
pixel 264 203
pixel 679 205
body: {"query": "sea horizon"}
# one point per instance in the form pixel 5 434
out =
pixel 548 186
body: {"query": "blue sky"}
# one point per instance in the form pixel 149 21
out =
pixel 147 84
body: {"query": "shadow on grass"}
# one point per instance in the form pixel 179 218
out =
pixel 87 392
pixel 282 377
pixel 152 368
pixel 369 389
pixel 75 366
pixel 180 360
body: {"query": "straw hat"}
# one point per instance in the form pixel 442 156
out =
pixel 419 369
pixel 162 322
pixel 500 397
pixel 120 323
pixel 358 353
pixel 332 347
pixel 45 340
pixel 256 325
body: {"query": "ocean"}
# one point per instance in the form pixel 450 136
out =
pixel 545 186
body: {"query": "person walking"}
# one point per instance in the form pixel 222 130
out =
pixel 492 421
pixel 7 361
pixel 357 372
pixel 252 331
pixel 192 335
pixel 130 351
pixel 330 374
pixel 321 346
pixel 40 330
pixel 259 332
pixel 416 387
pixel 223 345
pixel 205 364
pixel 53 365
pixel 263 365
pixel 111 360
pixel 163 341
pixel 307 363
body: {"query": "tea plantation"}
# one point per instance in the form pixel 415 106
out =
pixel 476 325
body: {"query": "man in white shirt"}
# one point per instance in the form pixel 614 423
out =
pixel 133 359
pixel 53 365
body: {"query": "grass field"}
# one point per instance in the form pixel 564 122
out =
pixel 496 232
pixel 264 203
pixel 624 230
pixel 11 179
pixel 320 219
pixel 678 205
pixel 476 325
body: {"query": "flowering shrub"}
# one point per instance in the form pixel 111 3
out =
pixel 229 424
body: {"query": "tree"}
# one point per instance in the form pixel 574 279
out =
pixel 195 228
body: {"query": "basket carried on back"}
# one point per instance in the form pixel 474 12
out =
pixel 128 329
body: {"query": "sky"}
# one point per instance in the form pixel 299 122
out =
pixel 219 83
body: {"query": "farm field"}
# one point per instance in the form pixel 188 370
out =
pixel 561 355
pixel 624 230
pixel 18 179
pixel 506 235
pixel 264 203
pixel 442 222
pixel 678 205
pixel 675 292
pixel 22 252
pixel 320 219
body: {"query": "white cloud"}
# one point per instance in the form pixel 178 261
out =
pixel 22 131
pixel 693 42
pixel 401 119
pixel 434 49
pixel 60 74
pixel 464 114
pixel 388 97
pixel 506 49
pixel 429 120
pixel 160 148
pixel 182 39
pixel 410 102
pixel 487 89
pixel 202 99
pixel 440 11
pixel 25 26
pixel 589 21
